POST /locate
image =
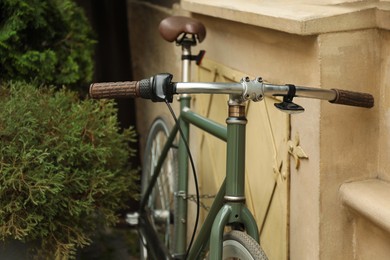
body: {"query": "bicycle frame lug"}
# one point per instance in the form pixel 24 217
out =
pixel 183 96
pixel 234 120
pixel 234 198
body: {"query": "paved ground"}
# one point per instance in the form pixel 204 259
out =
pixel 118 244
pixel 114 244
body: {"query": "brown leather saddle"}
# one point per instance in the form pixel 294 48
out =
pixel 171 28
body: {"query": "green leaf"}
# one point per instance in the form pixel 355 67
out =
pixel 64 167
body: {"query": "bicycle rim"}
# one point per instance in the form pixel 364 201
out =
pixel 161 203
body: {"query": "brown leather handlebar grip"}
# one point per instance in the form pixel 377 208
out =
pixel 351 98
pixel 125 89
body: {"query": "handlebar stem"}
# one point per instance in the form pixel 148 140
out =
pixel 253 89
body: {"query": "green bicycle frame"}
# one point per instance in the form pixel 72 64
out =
pixel 229 205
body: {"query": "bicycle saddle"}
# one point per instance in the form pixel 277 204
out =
pixel 172 27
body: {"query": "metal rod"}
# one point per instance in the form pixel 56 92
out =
pixel 205 124
pixel 157 169
pixel 306 92
pixel 180 230
pixel 156 248
pixel 186 64
pixel 204 234
pixel 208 88
pixel 235 158
pixel 240 89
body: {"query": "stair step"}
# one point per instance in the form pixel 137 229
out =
pixel 370 198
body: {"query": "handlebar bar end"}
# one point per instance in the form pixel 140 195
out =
pixel 351 98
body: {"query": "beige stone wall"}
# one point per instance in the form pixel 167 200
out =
pixel 348 136
pixel 150 55
pixel 384 103
pixel 322 43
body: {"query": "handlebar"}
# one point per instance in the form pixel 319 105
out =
pixel 160 88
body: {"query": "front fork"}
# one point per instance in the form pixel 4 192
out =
pixel 234 210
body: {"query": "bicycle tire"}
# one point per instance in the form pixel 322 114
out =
pixel 239 245
pixel 162 202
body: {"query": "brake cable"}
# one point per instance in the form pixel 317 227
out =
pixel 194 174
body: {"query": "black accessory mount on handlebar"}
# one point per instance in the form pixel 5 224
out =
pixel 287 105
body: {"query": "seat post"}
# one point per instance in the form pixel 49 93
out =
pixel 186 62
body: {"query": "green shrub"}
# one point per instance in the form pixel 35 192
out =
pixel 47 40
pixel 63 167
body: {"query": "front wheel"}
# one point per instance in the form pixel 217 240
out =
pixel 239 245
pixel 162 202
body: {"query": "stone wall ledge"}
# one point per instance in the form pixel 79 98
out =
pixel 297 18
pixel 369 198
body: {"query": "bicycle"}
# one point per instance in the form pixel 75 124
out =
pixel 162 218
